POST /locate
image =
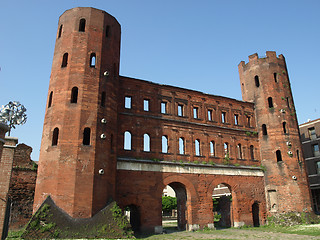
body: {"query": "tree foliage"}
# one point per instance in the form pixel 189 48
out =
pixel 169 203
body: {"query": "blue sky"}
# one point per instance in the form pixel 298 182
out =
pixel 190 44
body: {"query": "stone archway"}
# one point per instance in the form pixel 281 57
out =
pixel 222 205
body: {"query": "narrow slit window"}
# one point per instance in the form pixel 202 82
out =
pixel 50 99
pixel 82 25
pixel 197 147
pixel 127 102
pixel 180 110
pixel 256 80
pixel 60 31
pixel 239 149
pixel 284 126
pixel 92 60
pixel 288 102
pixel 212 150
pixel 278 155
pixel 55 137
pixel 251 152
pixel 74 95
pixel 64 60
pixel 146 142
pixel 127 141
pixel 107 31
pixel 275 76
pixel 264 130
pixel 223 117
pixel 196 112
pixel 146 105
pixel 248 121
pixel 236 119
pixel 226 150
pixel 103 99
pixel 163 107
pixel 86 136
pixel 298 155
pixel 164 144
pixel 181 145
pixel 210 115
pixel 270 102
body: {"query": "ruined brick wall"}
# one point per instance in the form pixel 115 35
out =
pixel 265 82
pixel 22 186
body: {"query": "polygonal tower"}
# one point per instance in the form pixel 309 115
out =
pixel 265 82
pixel 77 165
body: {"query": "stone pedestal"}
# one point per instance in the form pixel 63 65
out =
pixel 5 176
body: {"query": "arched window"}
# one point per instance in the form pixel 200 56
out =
pixel 164 144
pixel 146 142
pixel 107 31
pixel 127 141
pixel 226 150
pixel 264 129
pixel 82 25
pixel 92 60
pixel 251 152
pixel 64 60
pixel 103 99
pixel 284 126
pixel 74 95
pixel 181 145
pixel 256 80
pixel 197 147
pixel 275 76
pixel 212 150
pixel 50 99
pixel 278 155
pixel 86 136
pixel 270 102
pixel 55 137
pixel 60 31
pixel 239 149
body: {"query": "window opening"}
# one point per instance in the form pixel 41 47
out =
pixel 212 152
pixel 163 107
pixel 196 112
pixel 270 103
pixel 298 155
pixel 197 147
pixel 107 31
pixel 239 151
pixel 251 152
pixel 146 105
pixel 264 129
pixel 223 117
pixel 92 60
pixel 82 25
pixel 164 144
pixel 146 142
pixel 127 141
pixel 275 76
pixel 318 167
pixel 312 133
pixel 288 102
pixel 315 150
pixel 181 145
pixel 226 150
pixel 55 137
pixel 279 157
pixel 256 80
pixel 74 95
pixel 60 31
pixel 50 99
pixel 248 121
pixel 127 102
pixel 180 110
pixel 236 119
pixel 284 126
pixel 210 115
pixel 103 99
pixel 64 60
pixel 86 136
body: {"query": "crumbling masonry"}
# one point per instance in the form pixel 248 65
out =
pixel 109 136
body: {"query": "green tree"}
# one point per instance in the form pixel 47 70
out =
pixel 169 203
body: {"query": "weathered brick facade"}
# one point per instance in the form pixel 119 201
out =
pixel 108 136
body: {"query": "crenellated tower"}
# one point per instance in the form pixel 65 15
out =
pixel 265 82
pixel 77 165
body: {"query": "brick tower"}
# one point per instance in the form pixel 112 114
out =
pixel 265 82
pixel 77 165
